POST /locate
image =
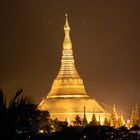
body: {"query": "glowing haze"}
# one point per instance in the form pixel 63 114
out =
pixel 106 47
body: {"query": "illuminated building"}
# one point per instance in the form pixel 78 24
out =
pixel 68 97
pixel 134 117
pixel 114 118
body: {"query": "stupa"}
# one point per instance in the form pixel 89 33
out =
pixel 68 97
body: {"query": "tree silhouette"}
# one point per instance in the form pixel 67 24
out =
pixel 77 121
pixel 45 123
pixel 58 125
pixel 16 115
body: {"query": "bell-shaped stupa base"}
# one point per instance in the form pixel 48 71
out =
pixel 67 108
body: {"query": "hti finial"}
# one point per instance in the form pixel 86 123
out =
pixel 66 15
pixel 66 27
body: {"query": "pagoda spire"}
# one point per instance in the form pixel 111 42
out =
pixel 121 121
pixel 85 122
pixel 68 69
pixel 134 117
pixel 67 44
pixel 114 118
pixel 93 119
pixel 66 26
pixel 68 83
pixel 132 121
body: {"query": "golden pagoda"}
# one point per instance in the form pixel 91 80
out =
pixel 68 96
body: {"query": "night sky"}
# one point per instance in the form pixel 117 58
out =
pixel 106 44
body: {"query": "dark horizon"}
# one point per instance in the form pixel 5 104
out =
pixel 106 44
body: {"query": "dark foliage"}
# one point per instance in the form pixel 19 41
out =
pixel 20 120
pixel 15 115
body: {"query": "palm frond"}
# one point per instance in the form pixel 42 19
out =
pixel 12 101
pixel 18 93
pixel 2 100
